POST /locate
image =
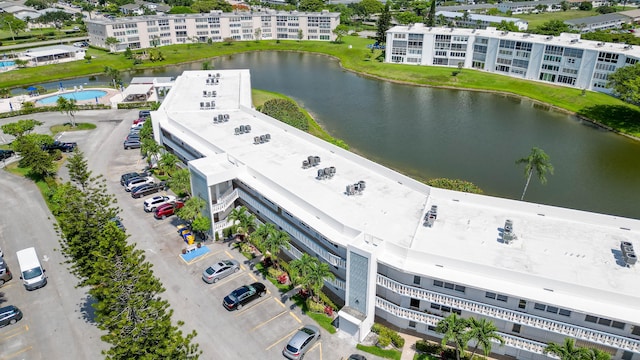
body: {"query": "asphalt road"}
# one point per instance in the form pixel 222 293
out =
pixel 259 330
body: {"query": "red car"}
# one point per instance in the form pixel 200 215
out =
pixel 139 120
pixel 163 211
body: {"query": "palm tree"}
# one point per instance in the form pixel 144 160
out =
pixel 180 182
pixel 568 351
pixel 302 266
pixel 314 281
pixel 150 148
pixel 454 329
pixel 261 234
pixel 482 332
pixel 595 354
pixel 243 220
pixel 538 162
pixel 275 241
pixel 68 106
pixel 168 162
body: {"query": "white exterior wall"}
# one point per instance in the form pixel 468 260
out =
pixel 140 32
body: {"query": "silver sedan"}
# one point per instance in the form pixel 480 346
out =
pixel 220 270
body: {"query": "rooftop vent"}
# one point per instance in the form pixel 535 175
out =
pixel 212 81
pixel 549 37
pixel 526 35
pixel 431 216
pixel 504 33
pixel 507 232
pixel 261 139
pixel 207 105
pixel 628 47
pixel 242 129
pixel 355 189
pixel 628 254
pixel 600 44
pixel 326 173
pixel 311 161
pixel 573 41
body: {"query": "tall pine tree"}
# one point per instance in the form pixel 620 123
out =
pixel 383 24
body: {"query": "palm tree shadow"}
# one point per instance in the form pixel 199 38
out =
pixel 2 298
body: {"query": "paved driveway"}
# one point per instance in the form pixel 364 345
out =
pixel 259 330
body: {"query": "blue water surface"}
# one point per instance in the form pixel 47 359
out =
pixel 6 63
pixel 78 95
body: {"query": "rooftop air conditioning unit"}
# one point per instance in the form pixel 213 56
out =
pixel 573 41
pixel 600 44
pixel 549 37
pixel 628 47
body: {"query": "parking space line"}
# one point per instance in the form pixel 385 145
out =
pixel 253 277
pixel 228 254
pixel 251 307
pixel 17 353
pixel 227 279
pixel 282 339
pixel 280 302
pixel 266 322
pixel 295 317
pixel 14 332
pixel 207 255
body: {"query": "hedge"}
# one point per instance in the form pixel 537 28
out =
pixel 285 111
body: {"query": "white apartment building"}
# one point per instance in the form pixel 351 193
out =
pixel 599 22
pixel 402 251
pixel 527 7
pixel 478 21
pixel 563 60
pixel 140 32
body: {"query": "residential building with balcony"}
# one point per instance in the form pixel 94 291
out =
pixel 564 60
pixel 599 22
pixel 528 7
pixel 478 21
pixel 403 252
pixel 140 32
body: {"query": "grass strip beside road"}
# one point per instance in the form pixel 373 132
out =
pixel 353 55
pixel 375 350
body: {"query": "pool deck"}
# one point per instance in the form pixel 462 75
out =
pixel 112 98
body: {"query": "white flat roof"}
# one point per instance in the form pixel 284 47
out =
pixel 563 257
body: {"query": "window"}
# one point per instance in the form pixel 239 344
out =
pixel 522 304
pixel 552 309
pixel 539 306
pixel 460 288
pixel 627 355
pixel 502 298
pixel 516 328
pixel 564 312
pixel 437 283
pixel 416 280
pixel 618 325
pixel 412 324
pixel 636 330
pixel 415 303
pixel 605 322
pixel 445 308
pixel 435 306
pixel 448 286
pixel 490 295
pixel 608 57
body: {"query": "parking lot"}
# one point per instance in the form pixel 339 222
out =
pixel 259 330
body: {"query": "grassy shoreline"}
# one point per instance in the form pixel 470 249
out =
pixel 354 56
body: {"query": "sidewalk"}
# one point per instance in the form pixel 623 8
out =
pixel 409 349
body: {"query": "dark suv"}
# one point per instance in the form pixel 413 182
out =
pixel 5 154
pixel 9 315
pixel 243 295
pixel 62 146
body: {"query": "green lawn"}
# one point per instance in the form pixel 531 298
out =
pixel 355 56
pixel 536 20
pixel 387 354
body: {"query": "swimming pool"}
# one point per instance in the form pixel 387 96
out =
pixel 78 95
pixel 7 63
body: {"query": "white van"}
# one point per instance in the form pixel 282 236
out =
pixel 31 272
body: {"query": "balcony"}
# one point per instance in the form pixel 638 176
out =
pixel 432 320
pixel 224 202
pixel 511 316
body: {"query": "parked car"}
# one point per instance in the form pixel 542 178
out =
pixel 9 315
pixel 301 342
pixel 152 203
pixel 144 114
pixel 5 273
pixel 220 270
pixel 243 295
pixel 137 126
pixel 133 143
pixel 356 357
pixel 62 146
pixel 166 210
pixel 5 154
pixel 128 176
pixel 137 182
pixel 119 223
pixel 147 189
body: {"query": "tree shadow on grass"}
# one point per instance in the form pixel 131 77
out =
pixel 620 117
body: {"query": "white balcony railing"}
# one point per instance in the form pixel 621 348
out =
pixel 432 320
pixel 559 327
pixel 224 202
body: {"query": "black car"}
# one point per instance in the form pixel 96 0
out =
pixel 9 315
pixel 243 295
pixel 5 154
pixel 62 146
pixel 126 177
pixel 118 221
pixel 144 113
pixel 147 189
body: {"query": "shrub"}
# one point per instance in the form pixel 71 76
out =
pixel 376 328
pixel 325 299
pixel 285 111
pixel 384 340
pixel 274 273
pixel 393 336
pixel 397 340
pixel 315 307
pixel 227 232
pixel 428 347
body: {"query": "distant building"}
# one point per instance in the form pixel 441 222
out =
pixel 527 7
pixel 139 8
pixel 158 30
pixel 599 22
pixel 634 15
pixel 594 3
pixel 477 21
pixel 563 60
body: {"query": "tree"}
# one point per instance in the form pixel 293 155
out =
pixel 150 148
pixel 567 351
pixel 625 83
pixel 180 182
pixel 192 209
pixel 78 170
pixel 113 74
pixel 553 27
pixel 128 54
pixel 111 42
pixel 454 330
pixel 596 354
pixel 39 162
pixel 311 5
pixel 407 17
pixel 431 17
pixel 564 5
pixel 538 162
pixel 69 107
pixel 168 162
pixel 300 35
pixel 301 267
pixel 275 241
pixel 20 128
pixel 10 23
pixel 340 31
pixel 507 26
pixel 260 235
pixel 243 220
pixel 367 7
pixel 88 57
pixel 317 275
pixel 383 24
pixel 585 6
pixel 483 332
pixel 606 9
